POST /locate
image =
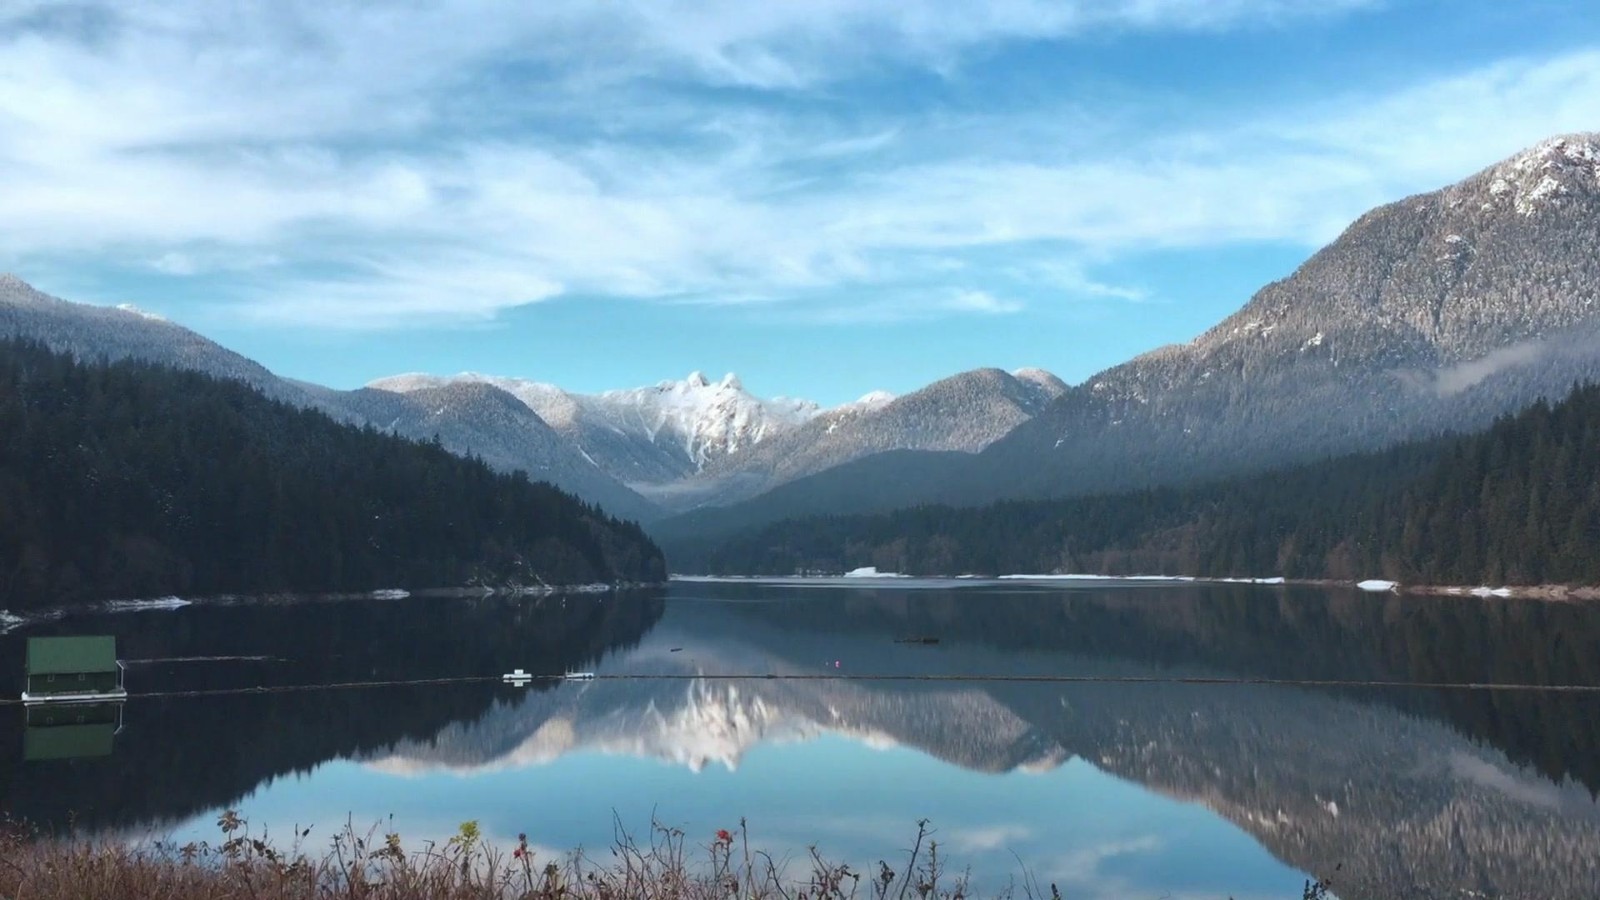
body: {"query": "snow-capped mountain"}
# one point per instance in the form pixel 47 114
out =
pixel 645 436
pixel 1437 312
pixel 963 413
pixel 635 452
pixel 695 442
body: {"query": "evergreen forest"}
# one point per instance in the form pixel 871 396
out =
pixel 1516 504
pixel 129 479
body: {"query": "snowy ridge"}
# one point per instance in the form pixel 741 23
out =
pixel 1542 175
pixel 671 429
pixel 709 418
pixel 143 314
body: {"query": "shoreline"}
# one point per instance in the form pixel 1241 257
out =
pixel 1555 593
pixel 1549 593
pixel 10 620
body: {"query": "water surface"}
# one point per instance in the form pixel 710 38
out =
pixel 1120 740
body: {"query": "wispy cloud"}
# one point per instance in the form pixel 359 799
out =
pixel 444 172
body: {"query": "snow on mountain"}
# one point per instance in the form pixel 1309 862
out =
pixel 648 435
pixel 963 413
pixel 1045 382
pixel 143 314
pixel 1543 175
pixel 1436 312
pixel 711 419
pixel 870 400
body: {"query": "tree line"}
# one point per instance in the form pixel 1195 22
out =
pixel 131 479
pixel 1516 504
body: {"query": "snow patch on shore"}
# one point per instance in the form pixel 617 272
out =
pixel 157 603
pixel 1082 577
pixel 872 572
pixel 1278 580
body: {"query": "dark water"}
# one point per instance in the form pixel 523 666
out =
pixel 1143 776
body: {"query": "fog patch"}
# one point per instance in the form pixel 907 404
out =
pixel 1454 379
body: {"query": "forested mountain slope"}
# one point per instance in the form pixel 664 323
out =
pixel 695 442
pixel 134 479
pixel 1518 503
pixel 963 413
pixel 507 438
pixel 1438 312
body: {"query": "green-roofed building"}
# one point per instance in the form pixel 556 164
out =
pixel 73 669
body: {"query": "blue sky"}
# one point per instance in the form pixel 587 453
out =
pixel 826 196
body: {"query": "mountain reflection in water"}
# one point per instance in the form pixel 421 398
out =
pixel 1401 792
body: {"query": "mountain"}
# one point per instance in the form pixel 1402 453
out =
pixel 963 413
pixel 466 420
pixel 696 442
pixel 134 479
pixel 125 332
pixel 644 437
pixel 1516 504
pixel 1437 312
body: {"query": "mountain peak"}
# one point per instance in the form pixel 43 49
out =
pixel 1040 378
pixel 731 382
pixel 872 399
pixel 697 379
pixel 1542 175
pixel 15 287
pixel 1580 148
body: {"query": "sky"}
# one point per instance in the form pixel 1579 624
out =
pixel 825 196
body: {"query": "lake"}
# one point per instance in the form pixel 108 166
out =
pixel 1118 739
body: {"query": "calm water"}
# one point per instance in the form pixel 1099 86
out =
pixel 1116 787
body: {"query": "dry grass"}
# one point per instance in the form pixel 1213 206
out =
pixel 376 866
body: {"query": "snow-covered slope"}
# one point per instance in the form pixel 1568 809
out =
pixel 651 435
pixel 694 442
pixel 963 413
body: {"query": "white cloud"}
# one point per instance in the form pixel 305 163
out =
pixel 447 172
pixel 981 302
pixel 175 263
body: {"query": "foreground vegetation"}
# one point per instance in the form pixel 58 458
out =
pixel 134 480
pixel 377 866
pixel 1517 504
